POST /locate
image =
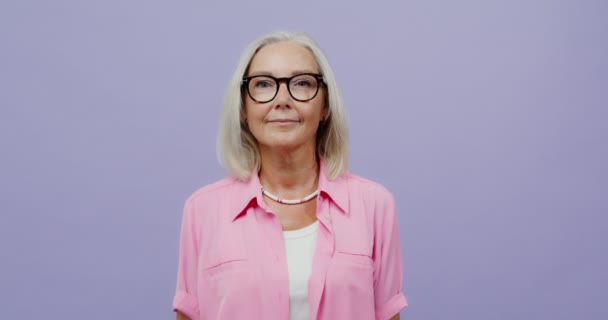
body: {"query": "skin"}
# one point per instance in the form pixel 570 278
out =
pixel 288 148
pixel 286 130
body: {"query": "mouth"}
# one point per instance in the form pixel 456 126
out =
pixel 283 121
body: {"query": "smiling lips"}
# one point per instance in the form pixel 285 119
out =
pixel 283 121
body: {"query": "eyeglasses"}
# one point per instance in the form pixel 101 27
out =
pixel 302 87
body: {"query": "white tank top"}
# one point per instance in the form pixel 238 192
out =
pixel 300 248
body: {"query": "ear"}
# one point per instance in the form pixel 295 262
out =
pixel 325 114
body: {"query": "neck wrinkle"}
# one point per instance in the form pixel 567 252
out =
pixel 290 177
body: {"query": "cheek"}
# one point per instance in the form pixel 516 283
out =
pixel 251 112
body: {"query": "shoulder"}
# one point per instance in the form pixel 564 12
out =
pixel 215 189
pixel 371 199
pixel 365 188
pixel 225 195
pixel 374 201
pixel 208 203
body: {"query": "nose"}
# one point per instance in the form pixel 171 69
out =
pixel 283 97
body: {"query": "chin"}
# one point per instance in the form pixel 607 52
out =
pixel 284 145
pixel 285 142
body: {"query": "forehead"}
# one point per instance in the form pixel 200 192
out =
pixel 282 59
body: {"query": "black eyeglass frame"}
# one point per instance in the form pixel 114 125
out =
pixel 278 81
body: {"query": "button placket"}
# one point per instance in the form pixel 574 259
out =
pixel 323 253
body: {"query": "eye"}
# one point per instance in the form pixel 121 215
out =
pixel 263 84
pixel 303 83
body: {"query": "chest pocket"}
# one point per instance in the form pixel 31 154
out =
pixel 351 272
pixel 229 282
pixel 225 263
pixel 226 278
pixel 226 266
pixel 355 259
pixel 353 246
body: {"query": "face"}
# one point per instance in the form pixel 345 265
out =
pixel 284 124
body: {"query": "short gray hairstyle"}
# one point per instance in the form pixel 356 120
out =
pixel 237 148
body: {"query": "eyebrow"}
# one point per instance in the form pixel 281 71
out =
pixel 293 73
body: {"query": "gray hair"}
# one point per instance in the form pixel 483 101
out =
pixel 237 148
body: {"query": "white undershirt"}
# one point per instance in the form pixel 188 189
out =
pixel 300 246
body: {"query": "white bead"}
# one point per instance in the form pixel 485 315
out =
pixel 286 201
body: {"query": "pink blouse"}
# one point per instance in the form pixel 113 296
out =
pixel 232 261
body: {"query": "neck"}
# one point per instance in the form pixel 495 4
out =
pixel 289 175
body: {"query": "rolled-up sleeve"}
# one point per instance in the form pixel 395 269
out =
pixel 186 298
pixel 388 265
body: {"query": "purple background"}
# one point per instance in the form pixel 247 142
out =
pixel 486 119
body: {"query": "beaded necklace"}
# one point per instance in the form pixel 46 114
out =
pixel 286 201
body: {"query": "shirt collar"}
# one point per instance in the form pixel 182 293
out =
pixel 250 191
pixel 336 189
pixel 245 193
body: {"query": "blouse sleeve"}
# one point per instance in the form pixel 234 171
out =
pixel 388 265
pixel 185 299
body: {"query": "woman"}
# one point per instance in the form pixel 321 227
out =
pixel 291 234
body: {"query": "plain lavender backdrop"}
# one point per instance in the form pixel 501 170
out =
pixel 486 119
